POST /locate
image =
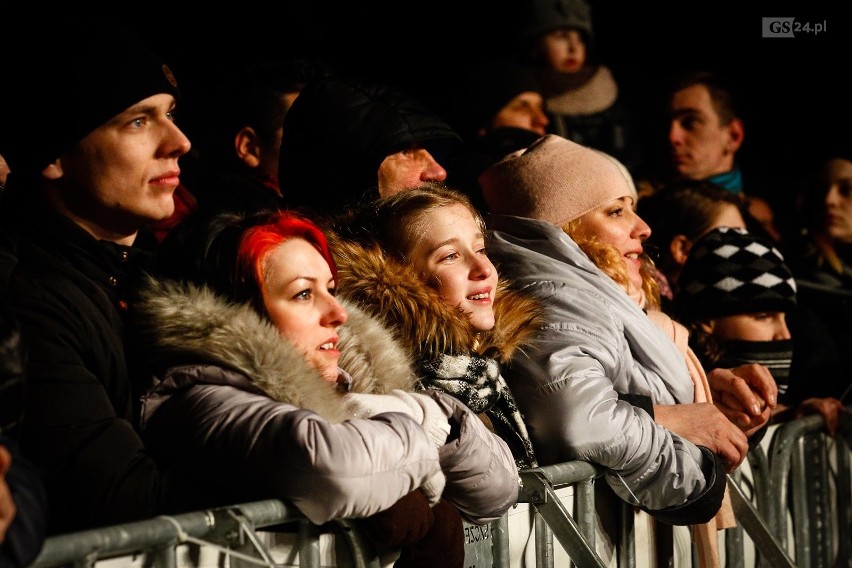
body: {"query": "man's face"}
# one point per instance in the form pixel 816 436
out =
pixel 408 169
pixel 122 175
pixel 700 146
pixel 526 111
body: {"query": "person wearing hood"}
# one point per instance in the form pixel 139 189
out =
pixel 347 142
pixel 245 339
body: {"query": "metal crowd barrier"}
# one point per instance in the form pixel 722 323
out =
pixel 806 468
pixel 801 472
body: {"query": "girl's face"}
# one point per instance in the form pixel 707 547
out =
pixel 836 179
pixel 761 326
pixel 451 256
pixel 299 297
pixel 617 224
pixel 564 50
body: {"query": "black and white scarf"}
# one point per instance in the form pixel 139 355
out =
pixel 477 382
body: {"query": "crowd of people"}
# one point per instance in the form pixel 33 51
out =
pixel 340 297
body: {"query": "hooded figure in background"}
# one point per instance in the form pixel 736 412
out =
pixel 346 143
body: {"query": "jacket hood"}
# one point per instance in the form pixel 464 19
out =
pixel 338 132
pixel 393 291
pixel 186 324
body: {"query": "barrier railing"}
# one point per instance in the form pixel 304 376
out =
pixel 804 468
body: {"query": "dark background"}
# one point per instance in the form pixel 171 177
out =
pixel 793 91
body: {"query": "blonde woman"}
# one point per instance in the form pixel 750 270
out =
pixel 602 381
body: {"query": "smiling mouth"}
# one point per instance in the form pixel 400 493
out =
pixel 483 296
pixel 326 346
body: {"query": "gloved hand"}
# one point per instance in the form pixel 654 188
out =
pixel 419 406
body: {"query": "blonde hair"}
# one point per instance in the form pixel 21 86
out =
pixel 609 260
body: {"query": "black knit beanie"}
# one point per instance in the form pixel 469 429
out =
pixel 77 76
pixel 489 88
pixel 731 271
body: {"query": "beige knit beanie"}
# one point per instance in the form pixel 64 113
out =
pixel 554 180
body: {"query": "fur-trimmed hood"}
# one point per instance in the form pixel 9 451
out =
pixel 393 291
pixel 182 324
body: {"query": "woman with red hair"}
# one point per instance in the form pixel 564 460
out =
pixel 247 342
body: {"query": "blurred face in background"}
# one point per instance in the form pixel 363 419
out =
pixel 564 50
pixel 700 145
pixel 526 111
pixel 836 180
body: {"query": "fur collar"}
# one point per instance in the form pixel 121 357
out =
pixel 183 323
pixel 393 291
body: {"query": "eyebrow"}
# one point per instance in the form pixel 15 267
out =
pixel 479 235
pixel 146 108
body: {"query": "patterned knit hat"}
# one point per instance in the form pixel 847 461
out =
pixel 554 180
pixel 77 76
pixel 731 271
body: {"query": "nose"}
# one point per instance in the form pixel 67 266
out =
pixel 641 229
pixel 540 121
pixel 781 329
pixel 432 170
pixel 481 268
pixel 176 142
pixel 832 196
pixel 675 133
pixel 334 315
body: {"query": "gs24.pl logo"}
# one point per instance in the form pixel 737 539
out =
pixel 791 27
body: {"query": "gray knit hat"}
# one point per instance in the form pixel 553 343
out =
pixel 731 271
pixel 547 15
pixel 554 180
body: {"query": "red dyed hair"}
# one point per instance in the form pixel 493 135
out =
pixel 259 241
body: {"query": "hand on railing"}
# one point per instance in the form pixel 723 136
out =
pixel 746 395
pixel 704 425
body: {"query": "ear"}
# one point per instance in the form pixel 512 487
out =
pixel 679 248
pixel 736 134
pixel 247 146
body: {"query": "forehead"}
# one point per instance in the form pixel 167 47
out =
pixel 695 98
pixel 449 218
pixel 837 168
pixel 296 258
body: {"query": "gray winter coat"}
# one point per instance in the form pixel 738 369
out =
pixel 241 409
pixel 598 344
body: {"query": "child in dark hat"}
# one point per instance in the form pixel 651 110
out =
pixel 582 96
pixel 735 296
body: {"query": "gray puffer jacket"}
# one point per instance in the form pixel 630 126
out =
pixel 241 410
pixel 596 346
